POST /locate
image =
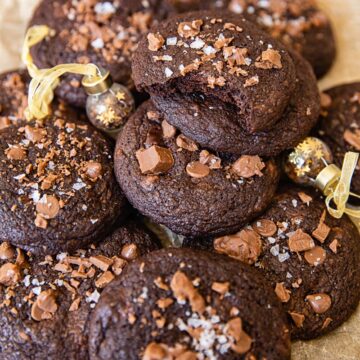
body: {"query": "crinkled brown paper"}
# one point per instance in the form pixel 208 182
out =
pixel 344 343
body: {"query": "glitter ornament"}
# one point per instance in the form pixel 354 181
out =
pixel 109 105
pixel 307 160
pixel 310 164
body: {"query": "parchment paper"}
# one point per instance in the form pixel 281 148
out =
pixel 343 343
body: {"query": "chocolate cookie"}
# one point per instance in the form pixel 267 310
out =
pixel 170 179
pixel 226 84
pixel 46 301
pixel 340 124
pixel 58 190
pixel 299 24
pixel 310 258
pixel 194 305
pixel 102 32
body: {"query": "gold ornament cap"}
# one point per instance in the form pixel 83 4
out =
pixel 96 85
pixel 328 178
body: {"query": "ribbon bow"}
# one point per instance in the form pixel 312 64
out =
pixel 335 184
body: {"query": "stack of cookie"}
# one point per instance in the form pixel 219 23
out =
pixel 259 264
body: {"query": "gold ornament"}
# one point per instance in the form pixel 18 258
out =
pixel 310 164
pixel 306 161
pixel 110 108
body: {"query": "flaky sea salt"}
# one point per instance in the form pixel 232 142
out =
pixel 275 250
pixel 168 72
pixel 93 297
pixel 98 43
pixel 283 257
pixel 208 50
pixel 171 41
pixel 197 44
pixel 104 8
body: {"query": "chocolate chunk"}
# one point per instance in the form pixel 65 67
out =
pixel 169 131
pixel 7 252
pixel 334 246
pixel 130 252
pixel 244 246
pixel 321 232
pixel 305 198
pixel 101 261
pixel 269 59
pixel 297 318
pixel 248 166
pixel 265 227
pixel 92 170
pixel 320 303
pixel 156 41
pixel 210 160
pixel 221 288
pixel 10 274
pixel 243 341
pixel 300 241
pixel 155 160
pixel 154 137
pixel 183 289
pixel 189 29
pixel 48 206
pixel 44 306
pixel 197 170
pixel 185 143
pixel 282 293
pixel 315 256
pixel 34 134
pixel 15 153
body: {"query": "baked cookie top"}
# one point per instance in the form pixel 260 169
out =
pixel 58 190
pixel 220 55
pixel 193 191
pixel 310 258
pixel 45 301
pixel 180 303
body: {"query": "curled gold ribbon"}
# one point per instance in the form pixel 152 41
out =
pixel 44 81
pixel 34 35
pixel 335 184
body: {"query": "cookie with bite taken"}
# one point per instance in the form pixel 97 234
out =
pixel 226 84
pixel 298 24
pixel 180 184
pixel 46 301
pixel 194 305
pixel 310 259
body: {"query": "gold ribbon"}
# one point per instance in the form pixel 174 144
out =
pixel 44 81
pixel 335 185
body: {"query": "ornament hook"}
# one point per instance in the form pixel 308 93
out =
pixel 310 163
